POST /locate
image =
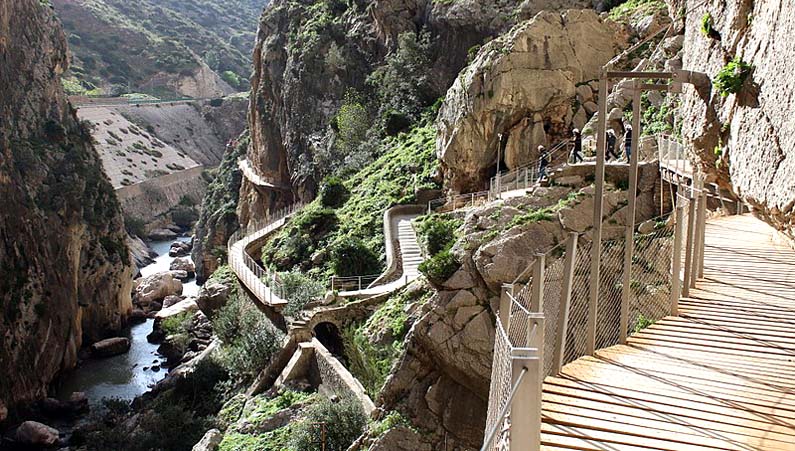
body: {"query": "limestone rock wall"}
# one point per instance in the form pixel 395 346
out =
pixel 442 381
pixel 753 129
pixel 66 270
pixel 305 62
pixel 522 86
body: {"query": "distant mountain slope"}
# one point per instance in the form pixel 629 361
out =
pixel 163 47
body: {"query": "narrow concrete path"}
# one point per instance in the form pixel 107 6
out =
pixel 410 254
pixel 718 377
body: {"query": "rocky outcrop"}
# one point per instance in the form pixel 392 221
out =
pixel 745 140
pixel 155 288
pixel 66 267
pixel 212 296
pixel 442 382
pixel 34 434
pixel 110 347
pixel 305 62
pixel 520 88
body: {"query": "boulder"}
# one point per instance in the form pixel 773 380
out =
pixel 180 249
pixel 646 227
pixel 137 316
pixel 32 433
pixel 209 441
pixel 155 288
pixel 187 305
pixel 162 235
pixel 182 276
pixel 212 296
pixel 78 402
pixel 522 83
pixel 184 264
pixel 110 347
pixel 171 300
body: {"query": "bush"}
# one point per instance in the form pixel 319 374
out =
pixel 706 24
pixel 177 324
pixel 351 257
pixel 352 123
pixel 333 193
pixel 440 267
pixel 437 232
pixel 249 338
pixel 184 216
pixel 299 290
pixel 344 422
pixel 135 226
pixel 731 77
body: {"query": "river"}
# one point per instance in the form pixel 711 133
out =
pixel 123 376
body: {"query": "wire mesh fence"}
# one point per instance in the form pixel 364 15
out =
pixel 500 388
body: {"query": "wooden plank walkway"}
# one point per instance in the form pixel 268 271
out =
pixel 719 377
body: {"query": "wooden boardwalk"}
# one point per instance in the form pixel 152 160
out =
pixel 719 377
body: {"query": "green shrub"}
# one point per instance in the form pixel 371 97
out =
pixel 249 338
pixel 706 24
pixel 731 77
pixel 135 226
pixel 344 421
pixel 184 216
pixel 392 420
pixel 299 290
pixel 440 267
pixel 437 232
pixel 333 193
pixel 351 257
pixel 352 123
pixel 231 78
pixel 177 324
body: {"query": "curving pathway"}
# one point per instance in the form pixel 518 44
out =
pixel 256 178
pixel 410 255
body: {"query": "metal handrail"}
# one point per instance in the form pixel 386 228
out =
pixel 531 169
pixel 504 410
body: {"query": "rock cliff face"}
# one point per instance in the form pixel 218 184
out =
pixel 752 130
pixel 66 271
pixel 442 381
pixel 306 60
pixel 521 87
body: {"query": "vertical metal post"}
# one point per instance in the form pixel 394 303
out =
pixel 526 404
pixel 505 305
pixel 596 251
pixel 360 283
pixel 565 296
pixel 537 303
pixel 629 233
pixel 689 245
pixel 698 246
pixel 676 264
pixel 499 179
pixel 702 220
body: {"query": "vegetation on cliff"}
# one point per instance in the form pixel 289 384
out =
pixel 319 239
pixel 121 46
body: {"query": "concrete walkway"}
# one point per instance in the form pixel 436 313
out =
pixel 411 257
pixel 718 377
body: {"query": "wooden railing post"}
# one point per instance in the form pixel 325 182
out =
pixel 702 232
pixel 565 302
pixel 676 264
pixel 596 251
pixel 537 303
pixel 691 235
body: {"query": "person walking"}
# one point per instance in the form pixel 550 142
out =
pixel 576 151
pixel 611 146
pixel 628 140
pixel 543 162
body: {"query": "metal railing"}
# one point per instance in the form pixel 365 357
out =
pixel 548 317
pixel 264 283
pixel 460 201
pixel 523 177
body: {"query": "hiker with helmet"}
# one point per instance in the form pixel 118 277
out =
pixel 543 162
pixel 611 146
pixel 628 140
pixel 576 151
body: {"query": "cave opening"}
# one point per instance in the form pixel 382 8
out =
pixel 329 335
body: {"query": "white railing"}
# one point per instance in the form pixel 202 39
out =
pixel 460 201
pixel 352 283
pixel 558 309
pixel 262 282
pixel 522 177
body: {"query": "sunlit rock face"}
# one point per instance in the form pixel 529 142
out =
pixel 752 129
pixel 65 271
pixel 521 87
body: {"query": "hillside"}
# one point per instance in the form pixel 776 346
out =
pixel 199 48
